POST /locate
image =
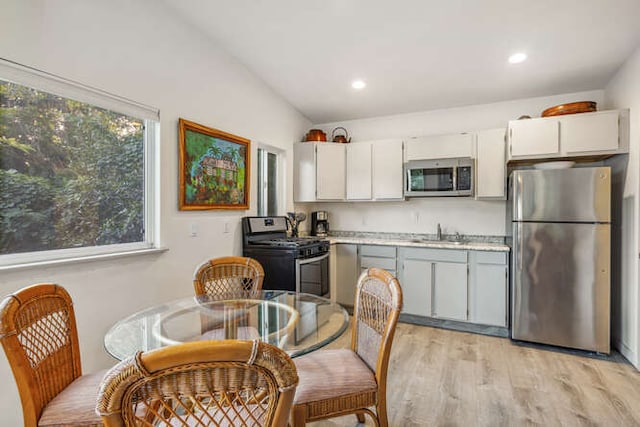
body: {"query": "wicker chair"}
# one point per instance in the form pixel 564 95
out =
pixel 206 383
pixel 228 277
pixel 39 336
pixel 347 381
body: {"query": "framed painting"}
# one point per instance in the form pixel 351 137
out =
pixel 214 168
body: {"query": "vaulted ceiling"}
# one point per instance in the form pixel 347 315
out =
pixel 417 55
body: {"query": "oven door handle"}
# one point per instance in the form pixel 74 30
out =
pixel 314 259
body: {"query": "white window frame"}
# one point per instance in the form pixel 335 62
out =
pixel 27 76
pixel 281 161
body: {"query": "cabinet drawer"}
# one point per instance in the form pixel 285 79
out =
pixel 435 254
pixel 378 251
pixel 385 263
pixel 491 257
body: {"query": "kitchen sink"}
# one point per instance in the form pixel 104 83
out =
pixel 453 242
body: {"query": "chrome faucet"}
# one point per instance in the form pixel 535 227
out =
pixel 439 232
pixel 458 237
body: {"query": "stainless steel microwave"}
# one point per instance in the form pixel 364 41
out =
pixel 444 177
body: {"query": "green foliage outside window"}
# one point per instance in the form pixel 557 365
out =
pixel 71 174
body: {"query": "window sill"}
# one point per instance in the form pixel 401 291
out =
pixel 81 259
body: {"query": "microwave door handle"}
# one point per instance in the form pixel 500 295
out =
pixel 408 180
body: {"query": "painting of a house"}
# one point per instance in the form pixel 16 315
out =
pixel 214 168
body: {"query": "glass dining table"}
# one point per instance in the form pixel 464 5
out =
pixel 298 323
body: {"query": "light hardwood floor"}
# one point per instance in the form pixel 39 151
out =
pixel 439 377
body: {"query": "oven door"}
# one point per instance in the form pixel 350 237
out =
pixel 312 275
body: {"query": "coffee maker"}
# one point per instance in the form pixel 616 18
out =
pixel 319 223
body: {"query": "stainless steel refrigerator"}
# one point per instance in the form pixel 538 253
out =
pixel 560 266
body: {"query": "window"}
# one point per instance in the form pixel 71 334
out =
pixel 269 180
pixel 76 169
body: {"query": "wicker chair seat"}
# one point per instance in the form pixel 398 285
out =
pixel 334 381
pixel 76 404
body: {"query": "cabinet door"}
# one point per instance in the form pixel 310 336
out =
pixel 489 295
pixel 383 257
pixel 304 172
pixel 533 138
pixel 450 290
pixel 330 171
pixel 359 171
pixel 587 133
pixel 416 287
pixel 387 170
pixel 490 164
pixel 440 147
pixel 346 263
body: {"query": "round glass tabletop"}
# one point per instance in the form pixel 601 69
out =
pixel 297 323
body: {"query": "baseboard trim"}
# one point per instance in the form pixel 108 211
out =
pixel 627 353
pixel 495 331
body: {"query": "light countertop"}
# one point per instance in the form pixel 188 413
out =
pixel 421 243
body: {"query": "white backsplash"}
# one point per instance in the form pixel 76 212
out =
pixel 418 215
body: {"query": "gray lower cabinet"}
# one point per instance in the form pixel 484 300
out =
pixel 383 257
pixel 450 290
pixel 488 288
pixel 434 282
pixel 415 280
pixel 448 284
pixel 344 258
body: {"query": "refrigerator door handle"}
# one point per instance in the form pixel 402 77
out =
pixel 519 248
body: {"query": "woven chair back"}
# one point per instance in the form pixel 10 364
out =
pixel 377 307
pixel 39 336
pixel 206 383
pixel 229 277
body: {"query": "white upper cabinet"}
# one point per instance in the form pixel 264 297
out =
pixel 586 134
pixel 318 171
pixel 600 133
pixel 374 170
pixel 330 171
pixel 491 164
pixel 369 170
pixel 531 137
pixel 359 171
pixel 304 172
pixel 439 147
pixel 387 170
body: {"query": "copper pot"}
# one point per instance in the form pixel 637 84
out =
pixel 340 138
pixel 316 135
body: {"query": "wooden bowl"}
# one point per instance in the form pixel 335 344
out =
pixel 571 108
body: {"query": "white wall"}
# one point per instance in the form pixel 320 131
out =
pixel 140 51
pixel 623 91
pixel 422 215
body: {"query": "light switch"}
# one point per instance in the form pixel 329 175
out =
pixel 194 229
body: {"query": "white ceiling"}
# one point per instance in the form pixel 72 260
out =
pixel 418 55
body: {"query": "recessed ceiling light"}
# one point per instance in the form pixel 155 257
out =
pixel 358 84
pixel 517 58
